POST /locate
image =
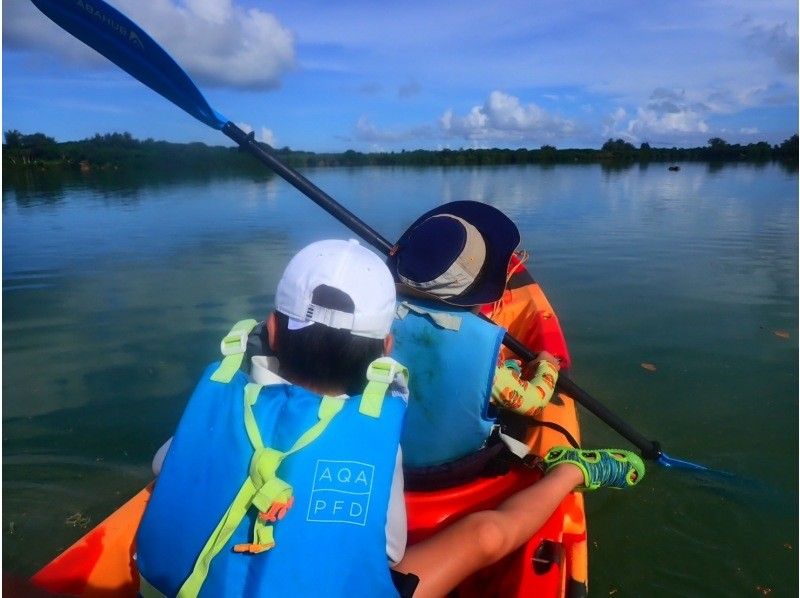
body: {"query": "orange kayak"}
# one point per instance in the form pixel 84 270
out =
pixel 553 563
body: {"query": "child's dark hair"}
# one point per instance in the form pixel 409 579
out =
pixel 327 357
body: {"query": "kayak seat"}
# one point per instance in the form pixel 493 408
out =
pixel 492 460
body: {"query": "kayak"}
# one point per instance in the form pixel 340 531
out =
pixel 553 563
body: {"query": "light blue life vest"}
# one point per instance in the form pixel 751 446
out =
pixel 452 355
pixel 331 541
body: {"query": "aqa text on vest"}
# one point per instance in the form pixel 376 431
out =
pixel 341 492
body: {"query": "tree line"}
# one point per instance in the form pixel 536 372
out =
pixel 121 150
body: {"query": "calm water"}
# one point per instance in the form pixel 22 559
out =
pixel 117 290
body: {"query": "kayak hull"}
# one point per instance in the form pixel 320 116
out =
pixel 102 562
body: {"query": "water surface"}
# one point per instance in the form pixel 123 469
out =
pixel 116 290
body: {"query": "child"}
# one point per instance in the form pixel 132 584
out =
pixel 290 487
pixel 447 264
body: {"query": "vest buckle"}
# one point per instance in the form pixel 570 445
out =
pixel 234 343
pixel 382 370
pixel 276 511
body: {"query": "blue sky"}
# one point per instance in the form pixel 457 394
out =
pixel 383 76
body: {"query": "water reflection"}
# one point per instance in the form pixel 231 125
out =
pixel 35 187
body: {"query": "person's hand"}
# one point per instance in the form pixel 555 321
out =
pixel 545 356
pixel 529 371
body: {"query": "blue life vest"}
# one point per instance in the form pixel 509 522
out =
pixel 452 356
pixel 331 541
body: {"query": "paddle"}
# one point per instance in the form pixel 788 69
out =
pixel 119 39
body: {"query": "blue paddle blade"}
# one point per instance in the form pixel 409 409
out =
pixel 124 43
pixel 667 461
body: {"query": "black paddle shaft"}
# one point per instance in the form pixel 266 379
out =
pixel 318 196
pixel 649 448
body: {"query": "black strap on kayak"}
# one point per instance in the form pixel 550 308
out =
pixel 492 460
pixel 516 425
pixel 558 428
pixel 484 462
pixel 453 473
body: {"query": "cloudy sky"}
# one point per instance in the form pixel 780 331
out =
pixel 331 75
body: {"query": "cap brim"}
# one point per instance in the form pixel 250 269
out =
pixel 501 237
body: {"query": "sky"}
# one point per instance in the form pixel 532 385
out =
pixel 325 75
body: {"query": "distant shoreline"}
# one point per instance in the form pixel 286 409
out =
pixel 120 151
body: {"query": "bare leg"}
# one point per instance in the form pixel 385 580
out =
pixel 445 559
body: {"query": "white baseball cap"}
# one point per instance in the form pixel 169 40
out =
pixel 304 291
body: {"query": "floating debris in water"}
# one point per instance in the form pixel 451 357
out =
pixel 764 590
pixel 781 334
pixel 649 367
pixel 77 520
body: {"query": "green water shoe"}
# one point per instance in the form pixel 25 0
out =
pixel 602 468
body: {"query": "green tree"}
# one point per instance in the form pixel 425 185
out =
pixel 719 148
pixel 717 143
pixel 758 151
pixel 30 148
pixel 789 147
pixel 548 153
pixel 618 149
pixel 13 139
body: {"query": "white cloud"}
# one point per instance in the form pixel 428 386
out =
pixel 777 42
pixel 25 28
pixel 268 137
pixel 667 113
pixel 246 127
pixel 214 11
pixel 618 116
pixel 217 42
pixel 504 118
pixel 683 120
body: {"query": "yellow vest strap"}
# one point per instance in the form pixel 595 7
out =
pixel 233 347
pixel 380 374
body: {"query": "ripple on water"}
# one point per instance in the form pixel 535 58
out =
pixel 696 515
pixel 58 498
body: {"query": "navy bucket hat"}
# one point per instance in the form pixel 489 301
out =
pixel 457 253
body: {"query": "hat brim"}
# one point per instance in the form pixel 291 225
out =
pixel 501 237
